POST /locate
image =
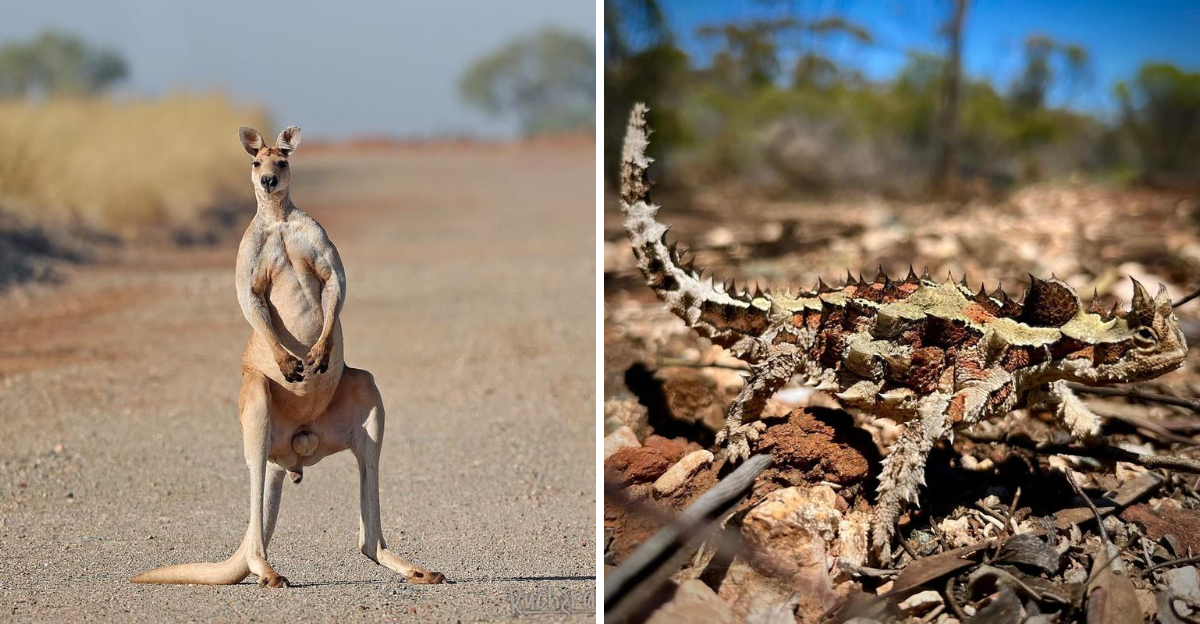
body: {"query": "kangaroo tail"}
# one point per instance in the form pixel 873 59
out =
pixel 718 311
pixel 228 572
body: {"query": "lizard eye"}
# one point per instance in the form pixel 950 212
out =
pixel 1145 337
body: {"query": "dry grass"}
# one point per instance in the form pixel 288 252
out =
pixel 121 167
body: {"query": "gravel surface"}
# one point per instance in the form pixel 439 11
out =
pixel 470 298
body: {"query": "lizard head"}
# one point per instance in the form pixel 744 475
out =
pixel 269 171
pixel 1144 343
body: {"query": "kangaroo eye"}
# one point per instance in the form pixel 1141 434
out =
pixel 1145 337
pixel 256 164
pixel 281 164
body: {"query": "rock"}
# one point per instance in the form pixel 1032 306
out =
pixel 623 437
pixel 635 465
pixel 818 445
pixel 698 395
pixel 626 413
pixel 672 449
pixel 752 594
pixel 1184 583
pixel 789 535
pixel 677 475
pixel 921 602
pixel 693 602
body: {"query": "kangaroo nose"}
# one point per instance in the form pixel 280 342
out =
pixel 268 181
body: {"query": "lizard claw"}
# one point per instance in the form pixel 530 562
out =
pixel 737 439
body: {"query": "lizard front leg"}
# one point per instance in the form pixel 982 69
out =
pixel 1069 410
pixel 980 397
pixel 780 363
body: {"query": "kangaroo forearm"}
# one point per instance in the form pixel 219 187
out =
pixel 331 306
pixel 260 320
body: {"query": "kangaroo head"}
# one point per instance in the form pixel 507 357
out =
pixel 270 173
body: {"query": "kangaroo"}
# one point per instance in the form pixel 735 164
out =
pixel 299 402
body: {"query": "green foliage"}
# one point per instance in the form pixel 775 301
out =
pixel 546 80
pixel 58 64
pixel 750 120
pixel 1161 110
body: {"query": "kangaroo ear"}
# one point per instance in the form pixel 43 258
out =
pixel 252 141
pixel 289 139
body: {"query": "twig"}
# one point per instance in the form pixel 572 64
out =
pixel 1088 500
pixel 1136 392
pixel 639 577
pixel 1173 563
pixel 953 602
pixel 1186 299
pixel 858 570
pixel 1099 451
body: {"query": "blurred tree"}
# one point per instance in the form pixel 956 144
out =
pixel 641 64
pixel 1041 53
pixel 56 63
pixel 946 170
pixel 1161 109
pixel 546 80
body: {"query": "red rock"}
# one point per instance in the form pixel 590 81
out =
pixel 636 465
pixel 671 449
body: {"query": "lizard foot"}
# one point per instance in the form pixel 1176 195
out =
pixel 737 439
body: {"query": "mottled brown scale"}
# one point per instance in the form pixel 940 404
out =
pixel 1048 303
pixel 948 333
pixel 1068 348
pixel 926 369
pixel 1020 357
pixel 749 320
pixel 997 398
pixel 1110 353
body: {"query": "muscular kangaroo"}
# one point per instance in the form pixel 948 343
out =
pixel 299 401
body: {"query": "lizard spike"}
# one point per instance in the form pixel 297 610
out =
pixel 925 274
pixel 882 277
pixel 964 282
pixel 767 289
pixel 982 294
pixel 757 291
pixel 849 278
pixel 999 292
pixel 912 276
pixel 1094 307
pixel 673 248
pixel 1115 311
pixel 949 277
pixel 822 287
pixel 861 282
pixel 729 285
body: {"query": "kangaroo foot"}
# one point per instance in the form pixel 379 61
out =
pixel 273 580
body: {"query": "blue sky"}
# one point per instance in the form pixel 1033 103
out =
pixel 335 68
pixel 1120 36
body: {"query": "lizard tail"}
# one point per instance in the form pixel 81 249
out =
pixel 717 311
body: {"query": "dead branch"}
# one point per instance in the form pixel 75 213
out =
pixel 1098 451
pixel 1137 393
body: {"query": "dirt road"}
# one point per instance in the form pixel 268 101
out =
pixel 470 297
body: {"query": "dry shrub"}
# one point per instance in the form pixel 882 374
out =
pixel 121 167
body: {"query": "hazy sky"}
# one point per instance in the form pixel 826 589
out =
pixel 1119 35
pixel 334 67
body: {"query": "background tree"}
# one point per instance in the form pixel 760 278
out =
pixel 58 64
pixel 946 170
pixel 1161 110
pixel 547 81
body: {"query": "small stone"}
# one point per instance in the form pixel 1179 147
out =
pixel 673 450
pixel 693 602
pixel 683 470
pixel 637 464
pixel 626 413
pixel 623 437
pixel 921 602
pixel 59 449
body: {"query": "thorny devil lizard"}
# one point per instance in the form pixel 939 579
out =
pixel 933 356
